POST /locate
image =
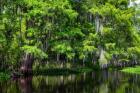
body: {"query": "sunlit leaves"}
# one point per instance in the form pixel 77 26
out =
pixel 2 41
pixel 71 13
pixel 34 51
pixel 62 47
pixel 103 10
pixel 71 32
pixel 134 51
pixel 110 46
pixel 89 44
pixel 67 28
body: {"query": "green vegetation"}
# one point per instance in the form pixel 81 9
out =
pixel 134 70
pixel 98 33
pixel 62 71
pixel 4 76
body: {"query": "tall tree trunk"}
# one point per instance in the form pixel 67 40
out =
pixel 99 29
pixel 97 23
pixel 26 65
pixel 58 57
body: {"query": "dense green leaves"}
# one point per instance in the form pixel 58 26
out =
pixel 34 51
pixel 68 28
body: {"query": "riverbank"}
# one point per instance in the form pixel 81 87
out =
pixel 53 72
pixel 66 71
pixel 62 71
pixel 134 70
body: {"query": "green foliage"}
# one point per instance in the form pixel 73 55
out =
pixel 134 70
pixel 134 52
pixel 34 51
pixel 46 28
pixel 4 76
pixel 62 47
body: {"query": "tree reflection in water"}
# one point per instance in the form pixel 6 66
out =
pixel 95 82
pixel 25 85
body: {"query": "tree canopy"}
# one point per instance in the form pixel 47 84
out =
pixel 69 30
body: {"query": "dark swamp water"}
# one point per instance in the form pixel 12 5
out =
pixel 95 82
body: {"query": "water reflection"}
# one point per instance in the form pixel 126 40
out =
pixel 95 82
pixel 25 85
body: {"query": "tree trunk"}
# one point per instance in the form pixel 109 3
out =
pixel 26 65
pixel 58 57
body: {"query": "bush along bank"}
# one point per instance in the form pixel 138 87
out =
pixel 134 70
pixel 4 76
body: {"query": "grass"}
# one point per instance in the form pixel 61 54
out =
pixel 134 70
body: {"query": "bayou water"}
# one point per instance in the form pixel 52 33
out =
pixel 93 82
